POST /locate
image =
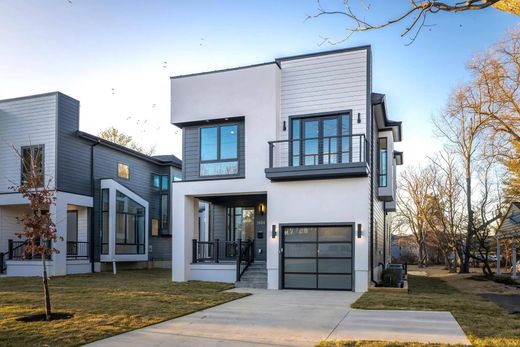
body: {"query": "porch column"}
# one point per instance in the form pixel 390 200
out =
pixel 59 216
pixel 184 220
pixel 498 257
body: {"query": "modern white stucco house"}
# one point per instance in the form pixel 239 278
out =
pixel 290 163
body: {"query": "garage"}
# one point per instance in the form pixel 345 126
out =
pixel 317 257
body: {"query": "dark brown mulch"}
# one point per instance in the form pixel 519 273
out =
pixel 511 303
pixel 41 317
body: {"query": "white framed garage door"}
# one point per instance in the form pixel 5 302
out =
pixel 317 257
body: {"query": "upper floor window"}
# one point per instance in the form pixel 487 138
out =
pixel 123 171
pixel 219 150
pixel 32 165
pixel 160 182
pixel 321 140
pixel 383 162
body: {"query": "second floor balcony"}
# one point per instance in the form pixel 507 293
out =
pixel 318 158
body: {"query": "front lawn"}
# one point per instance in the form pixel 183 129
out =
pixel 103 305
pixel 485 323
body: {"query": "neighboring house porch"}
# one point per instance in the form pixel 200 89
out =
pixel 71 216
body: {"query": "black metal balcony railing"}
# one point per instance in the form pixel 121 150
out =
pixel 77 250
pixel 327 150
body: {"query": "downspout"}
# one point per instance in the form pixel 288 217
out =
pixel 372 199
pixel 92 215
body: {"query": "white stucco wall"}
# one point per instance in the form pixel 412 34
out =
pixel 255 93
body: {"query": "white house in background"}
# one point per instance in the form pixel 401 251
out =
pixel 113 203
pixel 288 167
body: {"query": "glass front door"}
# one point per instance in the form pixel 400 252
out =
pixel 240 223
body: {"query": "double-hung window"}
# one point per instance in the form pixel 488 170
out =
pixel 32 165
pixel 219 150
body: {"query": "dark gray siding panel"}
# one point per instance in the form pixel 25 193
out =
pixel 140 182
pixel 218 222
pixel 73 153
pixel 191 153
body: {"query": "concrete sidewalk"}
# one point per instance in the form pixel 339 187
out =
pixel 291 318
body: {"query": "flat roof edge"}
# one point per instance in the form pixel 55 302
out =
pixel 224 70
pixel 317 54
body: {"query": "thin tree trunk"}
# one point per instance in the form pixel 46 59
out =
pixel 469 237
pixel 46 290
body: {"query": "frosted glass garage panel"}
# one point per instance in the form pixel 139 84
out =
pixel 300 234
pixel 300 250
pixel 334 281
pixel 335 266
pixel 333 234
pixel 300 281
pixel 335 250
pixel 300 265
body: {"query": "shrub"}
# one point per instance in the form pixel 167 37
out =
pixel 389 278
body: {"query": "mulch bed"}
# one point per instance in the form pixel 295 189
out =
pixel 511 303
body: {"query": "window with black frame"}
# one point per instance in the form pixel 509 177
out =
pixel 130 226
pixel 219 150
pixel 161 184
pixel 104 221
pixel 323 140
pixel 32 159
pixel 383 162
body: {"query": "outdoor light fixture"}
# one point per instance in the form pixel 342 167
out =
pixel 273 231
pixel 359 232
pixel 359 117
pixel 261 208
pixel 284 126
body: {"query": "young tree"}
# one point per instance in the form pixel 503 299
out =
pixel 114 135
pixel 39 230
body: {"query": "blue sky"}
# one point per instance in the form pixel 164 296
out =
pixel 116 56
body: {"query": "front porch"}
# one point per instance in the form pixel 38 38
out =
pixel 71 216
pixel 230 237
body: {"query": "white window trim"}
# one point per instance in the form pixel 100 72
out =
pixel 112 187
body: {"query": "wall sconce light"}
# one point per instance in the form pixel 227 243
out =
pixel 284 126
pixel 273 231
pixel 261 208
pixel 359 117
pixel 359 232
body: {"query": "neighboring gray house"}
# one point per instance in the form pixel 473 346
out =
pixel 113 203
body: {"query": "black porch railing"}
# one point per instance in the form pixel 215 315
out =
pixel 326 150
pixel 77 250
pixel 17 251
pixel 242 252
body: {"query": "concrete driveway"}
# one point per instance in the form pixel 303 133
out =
pixel 287 318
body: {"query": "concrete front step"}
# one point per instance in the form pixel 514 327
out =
pixel 254 277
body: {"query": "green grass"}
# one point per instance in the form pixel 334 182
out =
pixel 381 344
pixel 103 305
pixel 485 323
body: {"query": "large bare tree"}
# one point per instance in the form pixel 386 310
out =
pixel 114 135
pixel 412 13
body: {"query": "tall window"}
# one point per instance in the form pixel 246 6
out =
pixel 104 221
pixel 130 227
pixel 321 140
pixel 219 150
pixel 383 162
pixel 32 158
pixel 161 184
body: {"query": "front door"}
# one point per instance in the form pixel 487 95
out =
pixel 247 224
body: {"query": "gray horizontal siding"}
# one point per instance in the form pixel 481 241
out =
pixel 73 153
pixel 191 153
